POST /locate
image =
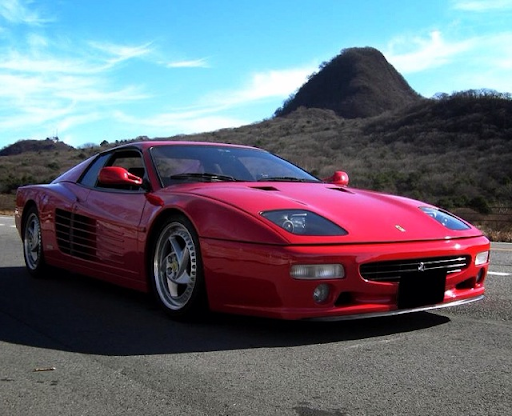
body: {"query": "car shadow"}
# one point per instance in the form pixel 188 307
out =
pixel 78 314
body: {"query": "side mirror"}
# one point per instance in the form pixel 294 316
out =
pixel 115 175
pixel 338 178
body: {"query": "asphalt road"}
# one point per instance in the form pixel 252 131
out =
pixel 74 346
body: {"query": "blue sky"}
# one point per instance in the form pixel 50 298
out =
pixel 97 70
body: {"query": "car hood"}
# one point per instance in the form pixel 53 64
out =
pixel 367 216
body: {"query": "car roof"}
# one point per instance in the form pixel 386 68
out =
pixel 143 145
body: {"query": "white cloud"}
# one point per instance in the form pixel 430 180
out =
pixel 482 5
pixel 47 84
pixel 482 61
pixel 262 85
pixel 276 83
pixel 197 63
pixel 26 63
pixel 15 12
pixel 421 54
pixel 186 122
pixel 71 121
pixel 119 53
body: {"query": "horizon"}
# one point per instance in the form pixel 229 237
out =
pixel 96 71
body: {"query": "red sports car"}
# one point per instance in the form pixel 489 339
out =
pixel 227 228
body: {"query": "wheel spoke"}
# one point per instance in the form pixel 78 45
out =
pixel 184 262
pixel 182 255
pixel 175 245
pixel 173 288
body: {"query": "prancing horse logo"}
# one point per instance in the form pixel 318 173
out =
pixel 421 267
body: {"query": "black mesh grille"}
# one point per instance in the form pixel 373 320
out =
pixel 393 271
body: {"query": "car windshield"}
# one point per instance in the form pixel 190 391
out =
pixel 211 163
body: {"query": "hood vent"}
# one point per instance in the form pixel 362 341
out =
pixel 265 188
pixel 341 190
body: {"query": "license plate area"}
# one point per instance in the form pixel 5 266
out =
pixel 421 289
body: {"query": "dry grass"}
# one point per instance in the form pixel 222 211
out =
pixel 7 204
pixel 503 236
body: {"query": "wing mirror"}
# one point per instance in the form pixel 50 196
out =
pixel 116 175
pixel 338 178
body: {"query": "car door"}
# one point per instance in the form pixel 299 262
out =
pixel 109 219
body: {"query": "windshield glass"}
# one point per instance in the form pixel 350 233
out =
pixel 203 163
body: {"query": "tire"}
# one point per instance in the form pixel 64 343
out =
pixel 177 271
pixel 33 245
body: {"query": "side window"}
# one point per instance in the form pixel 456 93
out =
pixel 91 176
pixel 131 160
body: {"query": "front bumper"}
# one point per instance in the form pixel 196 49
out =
pixel 254 279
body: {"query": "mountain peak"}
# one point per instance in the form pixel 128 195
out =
pixel 359 82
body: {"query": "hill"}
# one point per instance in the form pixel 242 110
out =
pixel 357 83
pixel 23 146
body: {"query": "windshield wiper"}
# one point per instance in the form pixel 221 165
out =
pixel 204 177
pixel 284 179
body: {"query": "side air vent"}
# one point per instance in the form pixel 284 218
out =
pixel 393 271
pixel 76 234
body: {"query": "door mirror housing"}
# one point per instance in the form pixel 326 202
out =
pixel 338 178
pixel 118 176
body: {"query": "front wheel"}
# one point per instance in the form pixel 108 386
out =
pixel 33 244
pixel 177 271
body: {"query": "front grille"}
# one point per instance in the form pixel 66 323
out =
pixel 393 271
pixel 76 234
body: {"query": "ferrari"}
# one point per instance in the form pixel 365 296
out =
pixel 236 229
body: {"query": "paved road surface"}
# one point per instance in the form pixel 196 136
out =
pixel 75 346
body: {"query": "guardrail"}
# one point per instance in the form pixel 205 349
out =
pixel 500 217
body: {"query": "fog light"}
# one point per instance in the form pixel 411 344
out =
pixel 481 258
pixel 480 276
pixel 321 293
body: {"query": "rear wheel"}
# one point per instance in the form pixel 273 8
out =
pixel 177 270
pixel 33 244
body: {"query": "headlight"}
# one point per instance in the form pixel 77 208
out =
pixel 302 222
pixel 481 258
pixel 317 271
pixel 445 218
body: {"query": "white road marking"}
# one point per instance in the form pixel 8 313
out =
pixel 499 273
pixel 7 221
